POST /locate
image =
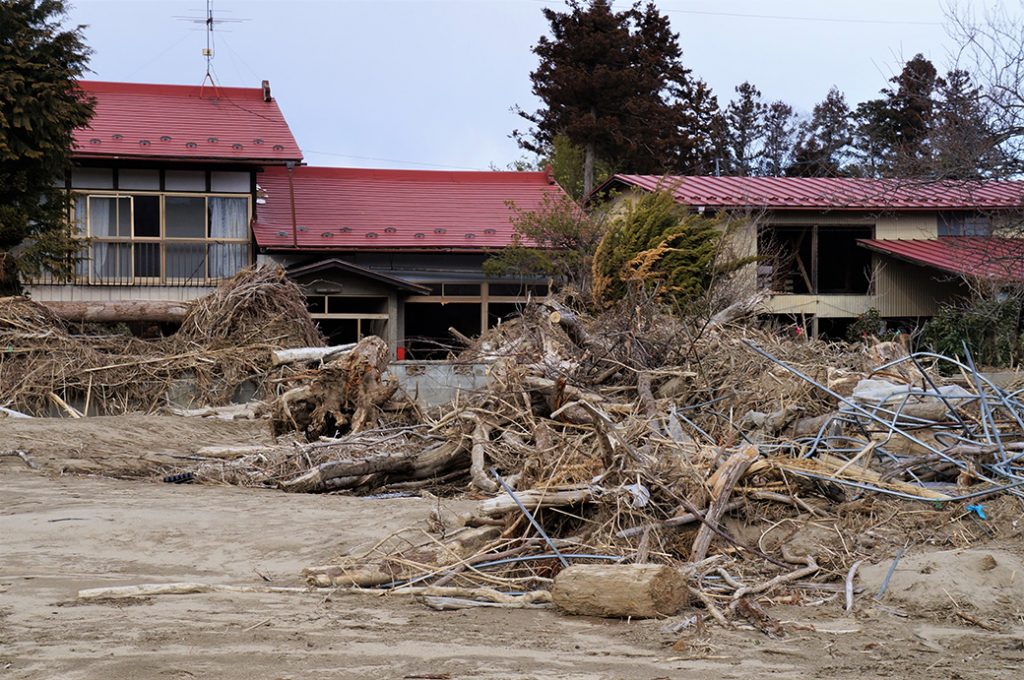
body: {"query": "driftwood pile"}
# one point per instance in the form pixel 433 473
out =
pixel 633 440
pixel 223 346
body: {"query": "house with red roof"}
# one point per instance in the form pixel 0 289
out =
pixel 176 188
pixel 833 248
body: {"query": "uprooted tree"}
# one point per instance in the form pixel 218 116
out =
pixel 656 245
pixel 40 107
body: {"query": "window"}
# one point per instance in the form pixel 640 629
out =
pixel 814 260
pixel 964 224
pixel 343 318
pixel 176 239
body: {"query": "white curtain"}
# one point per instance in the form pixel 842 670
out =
pixel 229 219
pixel 101 223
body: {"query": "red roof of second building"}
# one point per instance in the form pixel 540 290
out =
pixel 360 209
pixel 135 120
pixel 983 257
pixel 830 193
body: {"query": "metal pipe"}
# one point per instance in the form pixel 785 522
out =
pixel 529 516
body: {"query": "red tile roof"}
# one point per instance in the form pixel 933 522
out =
pixel 834 193
pixel 988 257
pixel 181 122
pixel 359 209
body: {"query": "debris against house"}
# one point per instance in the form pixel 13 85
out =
pixel 753 466
pixel 222 349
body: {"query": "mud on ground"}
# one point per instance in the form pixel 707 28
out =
pixel 59 534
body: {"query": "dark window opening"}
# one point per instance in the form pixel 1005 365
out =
pixel 518 289
pixel 339 331
pixel 964 224
pixel 147 217
pixel 427 324
pixel 341 304
pixel 814 260
pixel 500 312
pixel 316 304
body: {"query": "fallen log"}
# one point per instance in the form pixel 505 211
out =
pixel 619 590
pixel 722 483
pixel 301 354
pixel 407 465
pixel 11 413
pixel 534 499
pixel 169 311
pixel 150 589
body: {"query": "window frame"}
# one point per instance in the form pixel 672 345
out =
pixel 162 240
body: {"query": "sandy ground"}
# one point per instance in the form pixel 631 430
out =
pixel 122 446
pixel 59 534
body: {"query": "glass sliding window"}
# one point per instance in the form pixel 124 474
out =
pixel 111 262
pixel 186 262
pixel 185 217
pixel 110 216
pixel 161 238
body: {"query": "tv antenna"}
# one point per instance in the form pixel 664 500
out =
pixel 209 21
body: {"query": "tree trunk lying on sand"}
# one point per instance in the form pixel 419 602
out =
pixel 126 310
pixel 620 590
pixel 406 465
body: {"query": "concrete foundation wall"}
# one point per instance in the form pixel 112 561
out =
pixel 435 383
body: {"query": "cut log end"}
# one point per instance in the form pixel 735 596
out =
pixel 620 590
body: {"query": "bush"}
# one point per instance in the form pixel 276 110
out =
pixel 990 327
pixel 869 324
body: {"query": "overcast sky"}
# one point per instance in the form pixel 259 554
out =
pixel 430 83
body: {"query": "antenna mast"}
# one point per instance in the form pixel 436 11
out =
pixel 208 51
pixel 208 21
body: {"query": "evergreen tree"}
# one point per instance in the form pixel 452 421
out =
pixel 613 84
pixel 823 141
pixel 893 130
pixel 779 133
pixel 40 107
pixel 962 141
pixel 745 125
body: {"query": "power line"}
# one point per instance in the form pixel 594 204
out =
pixel 780 17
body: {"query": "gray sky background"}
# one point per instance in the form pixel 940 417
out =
pixel 430 83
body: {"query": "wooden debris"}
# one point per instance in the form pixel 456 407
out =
pixel 619 590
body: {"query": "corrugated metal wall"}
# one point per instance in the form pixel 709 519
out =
pixel 73 293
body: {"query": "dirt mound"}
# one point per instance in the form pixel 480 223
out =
pixel 989 583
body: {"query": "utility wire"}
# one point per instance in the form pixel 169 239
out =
pixel 780 17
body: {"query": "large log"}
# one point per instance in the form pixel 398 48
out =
pixel 534 499
pixel 404 465
pixel 298 354
pixel 122 310
pixel 620 590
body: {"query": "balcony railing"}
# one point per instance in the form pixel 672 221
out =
pixel 156 263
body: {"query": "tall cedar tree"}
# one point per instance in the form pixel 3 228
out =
pixel 779 135
pixel 744 117
pixel 613 84
pixel 963 143
pixel 823 141
pixel 893 131
pixel 40 106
